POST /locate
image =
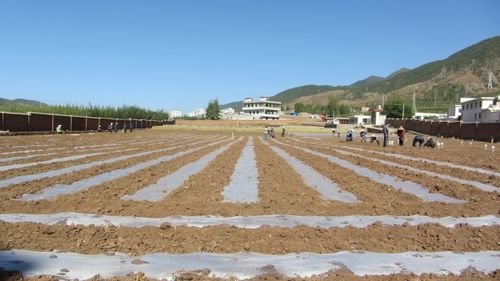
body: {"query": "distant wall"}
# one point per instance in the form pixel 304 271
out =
pixel 15 122
pixel 45 122
pixel 475 131
pixel 41 122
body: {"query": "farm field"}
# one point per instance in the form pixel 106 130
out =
pixel 201 205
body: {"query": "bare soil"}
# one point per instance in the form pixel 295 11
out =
pixel 281 191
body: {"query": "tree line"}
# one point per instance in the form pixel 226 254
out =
pixel 121 112
pixel 333 108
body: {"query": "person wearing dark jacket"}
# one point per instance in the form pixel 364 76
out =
pixel 385 130
pixel 430 143
pixel 418 139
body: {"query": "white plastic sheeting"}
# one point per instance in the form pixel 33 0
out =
pixel 479 185
pixel 405 186
pixel 71 169
pixel 243 187
pixel 25 157
pixel 31 151
pixel 248 222
pixel 328 189
pixel 164 186
pixel 413 158
pixel 62 189
pixel 51 161
pixel 246 265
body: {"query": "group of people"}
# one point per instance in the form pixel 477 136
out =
pixel 114 127
pixel 363 135
pixel 269 132
pixel 401 133
pixel 111 127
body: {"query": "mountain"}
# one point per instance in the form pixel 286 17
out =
pixel 236 105
pixel 297 92
pixel 402 70
pixel 20 101
pixel 372 80
pixel 288 95
pixel 436 84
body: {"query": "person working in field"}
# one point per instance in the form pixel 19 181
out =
pixel 418 139
pixel 374 138
pixel 349 136
pixel 59 129
pixel 362 136
pixel 430 143
pixel 385 130
pixel 401 135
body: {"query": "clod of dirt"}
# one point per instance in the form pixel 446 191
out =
pixel 165 226
pixel 138 261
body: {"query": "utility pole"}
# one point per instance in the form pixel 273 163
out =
pixel 490 80
pixel 403 115
pixel 414 105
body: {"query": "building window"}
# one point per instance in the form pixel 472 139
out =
pixel 479 115
pixel 475 116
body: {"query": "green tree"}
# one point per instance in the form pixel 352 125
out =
pixel 124 112
pixel 213 110
pixel 299 107
pixel 393 108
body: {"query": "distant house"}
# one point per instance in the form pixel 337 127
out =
pixel 427 115
pixel 481 110
pixel 198 113
pixel 175 114
pixel 262 108
pixel 361 120
pixel 228 113
pixel 455 111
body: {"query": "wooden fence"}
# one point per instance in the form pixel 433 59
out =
pixel 44 122
pixel 475 131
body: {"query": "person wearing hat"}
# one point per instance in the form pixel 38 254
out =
pixel 401 135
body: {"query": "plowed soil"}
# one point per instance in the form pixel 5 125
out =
pixel 281 191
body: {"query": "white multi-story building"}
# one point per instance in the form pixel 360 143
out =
pixel 175 114
pixel 482 109
pixel 454 111
pixel 228 113
pixel 199 113
pixel 262 108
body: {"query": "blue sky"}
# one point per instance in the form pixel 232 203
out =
pixel 181 54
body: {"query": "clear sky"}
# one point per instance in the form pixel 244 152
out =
pixel 181 54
